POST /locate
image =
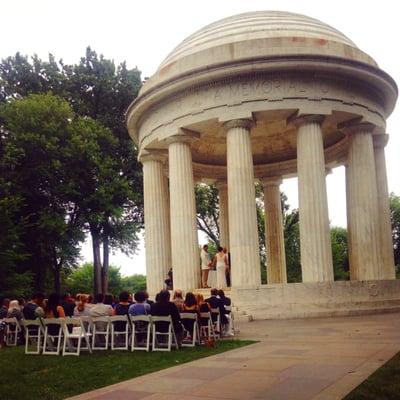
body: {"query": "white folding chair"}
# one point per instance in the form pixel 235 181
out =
pixel 206 326
pixel 190 337
pixel 216 319
pixel 230 329
pixel 87 323
pixel 100 333
pixel 13 329
pixel 77 333
pixel 158 335
pixel 33 335
pixel 119 330
pixel 141 332
pixel 51 325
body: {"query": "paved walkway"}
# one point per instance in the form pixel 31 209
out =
pixel 319 359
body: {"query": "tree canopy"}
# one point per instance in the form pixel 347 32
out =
pixel 68 164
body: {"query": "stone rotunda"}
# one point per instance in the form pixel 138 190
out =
pixel 264 96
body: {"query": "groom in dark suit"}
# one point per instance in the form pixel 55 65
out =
pixel 216 302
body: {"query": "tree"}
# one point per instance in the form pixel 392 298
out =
pixel 98 89
pixel 13 281
pixel 81 281
pixel 207 207
pixel 340 253
pixel 394 202
pixel 34 136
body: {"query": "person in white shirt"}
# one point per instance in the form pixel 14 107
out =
pixel 205 265
pixel 100 309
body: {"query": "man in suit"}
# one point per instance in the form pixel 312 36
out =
pixel 216 302
pixel 162 308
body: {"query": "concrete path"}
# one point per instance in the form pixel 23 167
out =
pixel 319 359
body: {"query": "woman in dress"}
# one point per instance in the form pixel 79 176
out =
pixel 222 266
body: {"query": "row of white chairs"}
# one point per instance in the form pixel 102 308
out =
pixel 53 336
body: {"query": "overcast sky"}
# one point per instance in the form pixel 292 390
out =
pixel 144 32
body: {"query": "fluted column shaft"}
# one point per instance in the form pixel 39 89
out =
pixel 223 214
pixel 315 243
pixel 362 207
pixel 243 232
pixel 184 240
pixel 384 209
pixel 274 240
pixel 157 233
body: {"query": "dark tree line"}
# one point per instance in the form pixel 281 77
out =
pixel 67 167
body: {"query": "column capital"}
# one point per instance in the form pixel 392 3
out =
pixel 238 123
pixel 185 136
pixel 351 129
pixel 380 141
pixel 305 119
pixel 271 181
pixel 221 184
pixel 154 155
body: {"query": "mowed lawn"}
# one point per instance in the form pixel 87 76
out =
pixel 30 377
pixel 383 384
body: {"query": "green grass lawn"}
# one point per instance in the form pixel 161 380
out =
pixel 383 384
pixel 30 377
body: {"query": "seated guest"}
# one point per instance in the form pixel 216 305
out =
pixel 140 307
pixel 148 301
pixel 68 304
pixel 109 299
pixel 34 307
pixel 4 308
pixel 82 309
pixel 225 300
pixel 227 328
pixel 162 308
pixel 203 307
pixel 123 305
pixel 189 306
pixel 216 302
pixel 14 310
pixel 90 303
pixel 100 309
pixel 177 299
pixel 53 308
pixel 190 303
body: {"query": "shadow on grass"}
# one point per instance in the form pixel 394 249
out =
pixel 383 384
pixel 55 377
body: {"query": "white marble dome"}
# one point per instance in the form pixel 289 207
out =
pixel 265 34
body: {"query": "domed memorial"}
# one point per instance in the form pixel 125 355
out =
pixel 264 96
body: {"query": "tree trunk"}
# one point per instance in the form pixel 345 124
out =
pixel 96 262
pixel 57 279
pixel 106 258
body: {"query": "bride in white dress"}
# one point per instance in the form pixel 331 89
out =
pixel 222 265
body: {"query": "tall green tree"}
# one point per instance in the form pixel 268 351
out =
pixel 394 202
pixel 98 89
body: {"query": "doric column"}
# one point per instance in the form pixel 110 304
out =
pixel 274 240
pixel 184 240
pixel 223 214
pixel 385 224
pixel 315 243
pixel 243 232
pixel 362 205
pixel 157 226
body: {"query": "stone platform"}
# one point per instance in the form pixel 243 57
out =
pixel 322 299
